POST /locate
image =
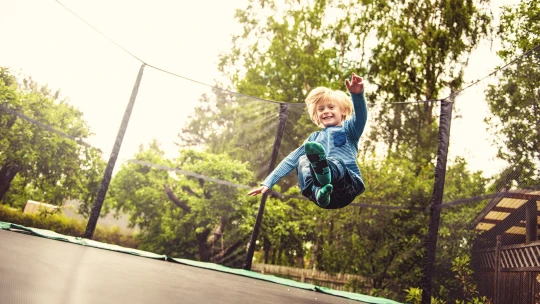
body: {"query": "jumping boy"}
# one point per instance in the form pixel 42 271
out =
pixel 326 163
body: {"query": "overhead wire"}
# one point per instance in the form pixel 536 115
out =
pixel 277 102
pixel 188 173
pixel 221 89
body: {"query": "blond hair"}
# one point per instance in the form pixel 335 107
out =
pixel 322 96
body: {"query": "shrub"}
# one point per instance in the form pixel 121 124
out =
pixel 67 226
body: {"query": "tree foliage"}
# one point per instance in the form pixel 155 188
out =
pixel 241 127
pixel 422 50
pixel 281 55
pixel 407 51
pixel 514 101
pixel 36 163
pixel 184 216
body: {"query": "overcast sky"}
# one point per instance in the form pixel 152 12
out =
pixel 43 40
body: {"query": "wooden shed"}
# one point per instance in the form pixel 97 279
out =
pixel 506 255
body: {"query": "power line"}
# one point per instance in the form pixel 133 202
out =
pixel 469 85
pixel 378 104
pixel 406 102
pixel 161 167
pixel 483 197
pixel 273 193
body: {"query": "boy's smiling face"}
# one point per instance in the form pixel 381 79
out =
pixel 330 114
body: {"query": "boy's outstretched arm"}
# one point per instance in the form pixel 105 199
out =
pixel 285 167
pixel 356 88
pixel 261 189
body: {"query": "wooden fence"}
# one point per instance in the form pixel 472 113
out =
pixel 509 274
pixel 346 282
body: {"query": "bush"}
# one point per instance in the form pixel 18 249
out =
pixel 461 267
pixel 67 226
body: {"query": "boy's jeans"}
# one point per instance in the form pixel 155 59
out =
pixel 347 184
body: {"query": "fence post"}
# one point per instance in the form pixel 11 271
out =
pixel 105 181
pixel 283 115
pixel 531 235
pixel 436 200
pixel 497 270
pixel 531 222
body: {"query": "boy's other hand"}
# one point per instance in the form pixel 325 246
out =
pixel 355 85
pixel 261 189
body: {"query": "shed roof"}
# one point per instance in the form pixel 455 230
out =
pixel 501 207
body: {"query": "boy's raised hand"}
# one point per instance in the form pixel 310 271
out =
pixel 355 86
pixel 261 189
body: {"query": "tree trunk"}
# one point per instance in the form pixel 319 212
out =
pixel 299 259
pixel 11 122
pixel 205 250
pixel 331 233
pixel 225 254
pixel 274 254
pixel 207 239
pixel 7 174
pixel 175 199
pixel 314 253
pixel 266 250
pixel 278 256
pixel 217 233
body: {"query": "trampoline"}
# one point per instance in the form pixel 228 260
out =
pixel 38 268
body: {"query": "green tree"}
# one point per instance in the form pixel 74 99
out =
pixel 421 52
pixel 240 127
pixel 290 55
pixel 409 51
pixel 382 245
pixel 386 246
pixel 8 92
pixel 279 58
pixel 36 163
pixel 514 101
pixel 183 216
pixel 289 231
pixel 456 237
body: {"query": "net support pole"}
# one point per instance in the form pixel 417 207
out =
pixel 436 200
pixel 105 181
pixel 283 115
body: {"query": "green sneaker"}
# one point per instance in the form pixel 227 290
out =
pixel 317 157
pixel 323 195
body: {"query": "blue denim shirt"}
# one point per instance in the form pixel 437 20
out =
pixel 340 142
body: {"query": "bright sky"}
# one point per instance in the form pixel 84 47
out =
pixel 43 40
